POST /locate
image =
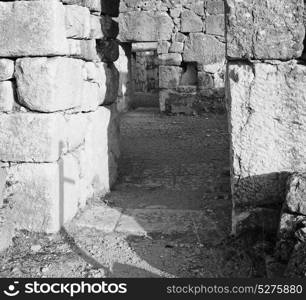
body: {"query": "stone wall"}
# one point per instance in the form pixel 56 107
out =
pixel 266 95
pixel 58 126
pixel 188 36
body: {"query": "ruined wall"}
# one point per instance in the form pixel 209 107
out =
pixel 58 126
pixel 188 36
pixel 266 94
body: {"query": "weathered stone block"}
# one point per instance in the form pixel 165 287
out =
pixel 96 27
pixel 265 29
pixel 176 47
pixel 34 137
pixel 215 25
pixel 7 96
pixel 42 197
pixel 32 28
pixel 106 76
pixel 163 47
pixel 266 111
pixel 169 76
pixel 7 67
pixel 180 37
pixel 78 24
pixel 145 26
pixel 49 84
pixel 296 194
pixel 191 22
pixel 214 7
pixel 203 48
pixel 100 153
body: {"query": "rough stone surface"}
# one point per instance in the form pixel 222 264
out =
pixel 7 67
pixel 265 29
pixel 296 194
pixel 78 22
pixel 191 22
pixel 215 25
pixel 100 153
pixel 145 26
pixel 42 197
pixel 49 84
pixel 266 104
pixel 7 96
pixel 32 28
pixel 203 48
pixel 33 137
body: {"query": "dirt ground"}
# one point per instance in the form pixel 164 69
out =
pixel 170 210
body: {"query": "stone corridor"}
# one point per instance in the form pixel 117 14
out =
pixel 168 215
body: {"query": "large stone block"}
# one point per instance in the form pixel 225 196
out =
pixel 7 67
pixel 215 7
pixel 93 5
pixel 215 25
pixel 203 48
pixel 100 153
pixel 32 28
pixel 49 84
pixel 42 197
pixel 106 76
pixel 145 26
pixel 34 137
pixel 267 114
pixel 191 22
pixel 78 22
pixel 7 96
pixel 265 29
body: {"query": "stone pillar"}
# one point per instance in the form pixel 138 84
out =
pixel 266 98
pixel 58 126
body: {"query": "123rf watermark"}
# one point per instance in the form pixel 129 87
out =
pixel 71 289
pixel 256 289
